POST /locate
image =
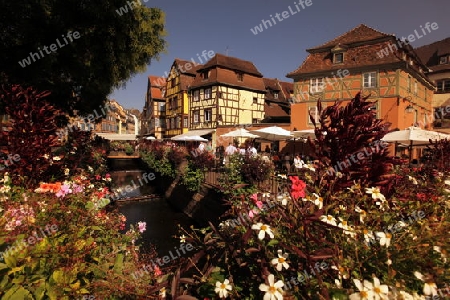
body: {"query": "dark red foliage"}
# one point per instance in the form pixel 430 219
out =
pixel 348 142
pixel 203 160
pixel 34 123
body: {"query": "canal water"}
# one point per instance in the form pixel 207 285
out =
pixel 162 220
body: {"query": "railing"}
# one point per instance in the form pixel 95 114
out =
pixel 271 185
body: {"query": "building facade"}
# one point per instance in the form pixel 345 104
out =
pixel 153 117
pixel 436 57
pixel 180 78
pixel 367 61
pixel 227 91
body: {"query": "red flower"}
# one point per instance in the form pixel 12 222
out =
pixel 421 196
pixel 298 187
pixel 98 177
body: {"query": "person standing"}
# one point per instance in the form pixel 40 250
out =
pixel 230 150
pixel 252 151
pixel 298 162
pixel 287 162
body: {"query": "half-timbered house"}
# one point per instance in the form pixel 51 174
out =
pixel 180 78
pixel 364 59
pixel 227 91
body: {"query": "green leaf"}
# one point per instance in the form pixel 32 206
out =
pixel 17 293
pixel 272 242
pixel 118 264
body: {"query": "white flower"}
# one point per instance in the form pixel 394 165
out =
pixel 329 219
pixel 376 194
pixel 281 261
pixel 365 291
pixel 90 169
pixel 162 292
pixel 282 176
pixel 362 213
pixel 263 229
pixel 385 238
pixel 222 288
pixel 347 228
pixel 318 201
pixel 368 236
pixel 273 290
pixel 284 198
pixel 342 272
pixel 414 181
pixel 429 287
pixel 389 262
pixel 439 250
pixel 45 156
pixel 183 239
pixel 66 172
pixel 56 158
pixel 379 291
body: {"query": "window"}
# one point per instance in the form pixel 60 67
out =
pixel 254 121
pixel 408 84
pixel 177 122
pixel 157 122
pixel 196 115
pixel 443 85
pixel 172 82
pixel 208 93
pixel 275 95
pixel 240 76
pixel 196 95
pixel 316 85
pixel 208 115
pixel 185 122
pixel 172 123
pixel 370 80
pixel 162 107
pixel 205 75
pixel 255 100
pixel 415 87
pixel 443 60
pixel 312 112
pixel 219 94
pixel 338 58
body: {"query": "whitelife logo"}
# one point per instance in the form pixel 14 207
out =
pixel 53 48
pixel 281 16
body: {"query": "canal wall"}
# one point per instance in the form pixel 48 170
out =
pixel 204 206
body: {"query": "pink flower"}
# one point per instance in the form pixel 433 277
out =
pixel 158 271
pixel 252 213
pixel 259 204
pixel 254 197
pixel 142 226
pixel 77 188
pixel 65 189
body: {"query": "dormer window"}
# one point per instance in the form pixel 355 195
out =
pixel 338 53
pixel 205 75
pixel 338 58
pixel 240 76
pixel 443 60
pixel 275 95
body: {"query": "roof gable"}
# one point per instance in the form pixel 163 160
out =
pixel 431 53
pixel 361 33
pixel 232 63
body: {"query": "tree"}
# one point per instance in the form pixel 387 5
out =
pixel 97 47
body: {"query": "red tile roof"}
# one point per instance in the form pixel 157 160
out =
pixel 365 47
pixel 430 54
pixel 361 33
pixel 223 70
pixel 157 85
pixel 232 63
pixel 184 65
pixel 284 89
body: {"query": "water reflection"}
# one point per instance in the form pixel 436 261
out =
pixel 162 220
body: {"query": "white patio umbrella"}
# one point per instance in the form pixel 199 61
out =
pixel 273 133
pixel 150 138
pixel 414 136
pixel 304 134
pixel 241 132
pixel 193 138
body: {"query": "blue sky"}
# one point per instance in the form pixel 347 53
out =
pixel 198 25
